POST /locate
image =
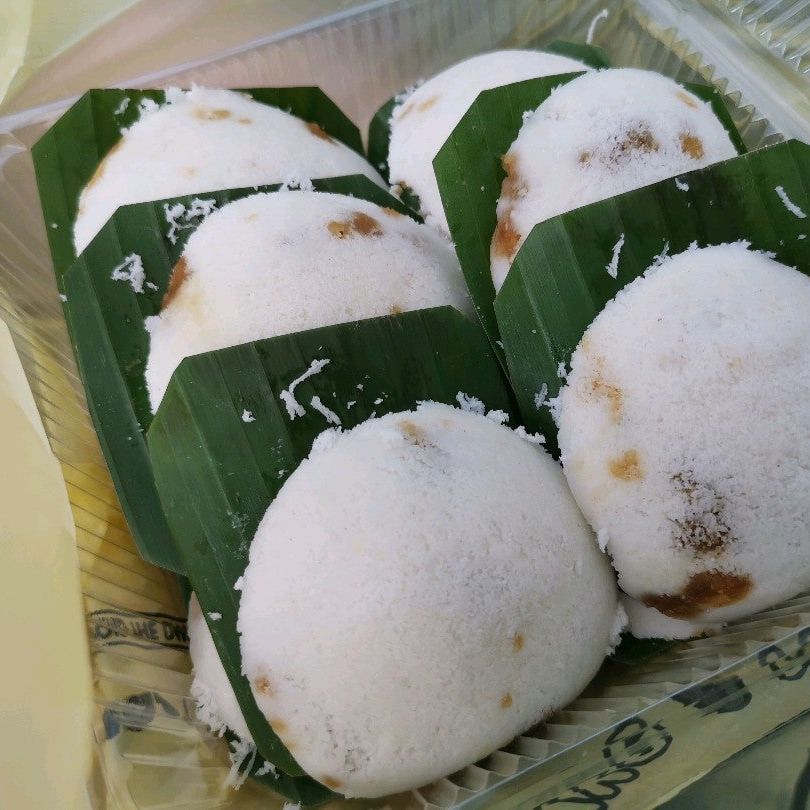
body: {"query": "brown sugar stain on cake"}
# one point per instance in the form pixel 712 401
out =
pixel 102 167
pixel 517 642
pixel 513 185
pixel 691 145
pixel 627 466
pixel 600 388
pixel 188 172
pixel 244 120
pixel 414 434
pixel 687 99
pixel 506 700
pixel 279 726
pixel 506 238
pixel 264 686
pixel 180 274
pixel 210 114
pixel 251 218
pixel 331 782
pixel 703 528
pixel 360 224
pixel 366 225
pixel 704 591
pixel 425 105
pixel 319 132
pixel 395 309
pixel 638 140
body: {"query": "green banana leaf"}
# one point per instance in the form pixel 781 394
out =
pixel 379 131
pixel 223 443
pixel 67 155
pixel 558 282
pixel 469 172
pixel 106 319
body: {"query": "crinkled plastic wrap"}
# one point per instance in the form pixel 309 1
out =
pixel 642 729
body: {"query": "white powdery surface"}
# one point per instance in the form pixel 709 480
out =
pixel 217 706
pixel 454 596
pixel 684 433
pixel 423 121
pixel 207 139
pixel 272 264
pixel 601 134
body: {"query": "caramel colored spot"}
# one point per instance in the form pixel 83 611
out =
pixel 406 110
pixel 392 212
pixel 245 120
pixel 179 275
pixel 686 99
pixel 506 701
pixel 331 782
pixel 517 642
pixel 506 239
pixel 584 158
pixel 395 310
pixel 513 185
pixel 639 140
pixel 366 225
pixel 603 389
pixel 319 132
pixel 279 726
pixel 691 145
pixel 360 223
pixel 209 114
pixel 704 591
pixel 102 167
pixel 626 467
pixel 189 171
pixel 264 686
pixel 251 217
pixel 414 434
pixel 427 103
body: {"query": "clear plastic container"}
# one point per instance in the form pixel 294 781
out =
pixel 640 731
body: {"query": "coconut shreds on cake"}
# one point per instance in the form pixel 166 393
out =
pixel 217 706
pixel 684 433
pixel 422 589
pixel 424 118
pixel 272 264
pixel 601 134
pixel 202 140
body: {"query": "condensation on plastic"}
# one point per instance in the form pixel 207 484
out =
pixel 630 736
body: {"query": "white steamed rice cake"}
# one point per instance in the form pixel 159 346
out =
pixel 684 433
pixel 206 139
pixel 217 706
pixel 422 589
pixel 599 135
pixel 423 119
pixel 273 264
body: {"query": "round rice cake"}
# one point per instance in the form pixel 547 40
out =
pixel 423 119
pixel 422 589
pixel 273 264
pixel 599 135
pixel 685 433
pixel 203 140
